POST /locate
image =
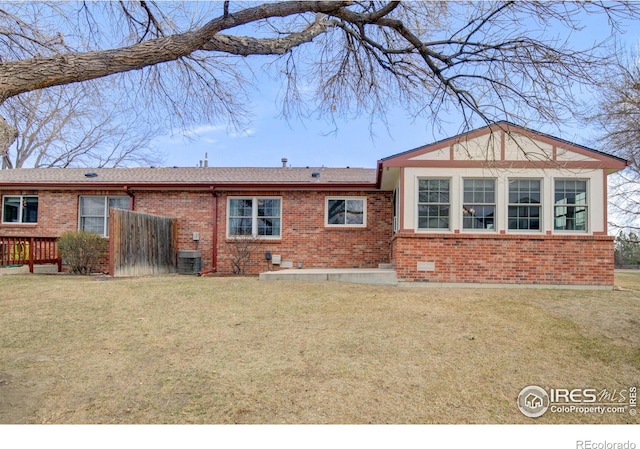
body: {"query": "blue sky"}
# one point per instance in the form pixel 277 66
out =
pixel 355 143
pixel 313 143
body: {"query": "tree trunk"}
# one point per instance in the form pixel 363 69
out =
pixel 26 75
pixel 8 135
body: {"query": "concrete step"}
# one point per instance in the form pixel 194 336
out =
pixel 354 275
pixel 45 268
pixel 24 269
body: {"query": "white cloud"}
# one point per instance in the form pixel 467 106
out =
pixel 199 130
pixel 242 133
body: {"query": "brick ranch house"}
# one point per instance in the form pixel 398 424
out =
pixel 501 204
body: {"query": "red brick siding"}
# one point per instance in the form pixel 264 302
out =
pixel 57 212
pixel 508 259
pixel 306 240
pixel 565 260
pixel 304 237
pixel 194 211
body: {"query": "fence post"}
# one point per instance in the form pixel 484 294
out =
pixel 58 256
pixel 32 253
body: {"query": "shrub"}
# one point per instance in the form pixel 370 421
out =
pixel 241 248
pixel 82 251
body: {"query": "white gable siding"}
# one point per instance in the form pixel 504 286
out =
pixel 442 154
pixel 517 147
pixel 564 154
pixel 523 148
pixel 486 147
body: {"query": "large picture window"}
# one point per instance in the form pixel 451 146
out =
pixel 570 208
pixel 434 203
pixel 479 204
pixel 94 212
pixel 254 216
pixel 524 204
pixel 20 209
pixel 346 212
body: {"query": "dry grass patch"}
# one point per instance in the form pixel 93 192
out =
pixel 236 350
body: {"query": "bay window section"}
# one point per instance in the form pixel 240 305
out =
pixel 570 208
pixel 396 209
pixel 434 204
pixel 524 205
pixel 479 204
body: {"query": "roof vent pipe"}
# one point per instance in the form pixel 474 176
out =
pixel 284 162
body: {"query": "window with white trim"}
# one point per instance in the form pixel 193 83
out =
pixel 254 216
pixel 434 203
pixel 346 211
pixel 479 204
pixel 395 201
pixel 94 212
pixel 524 205
pixel 20 209
pixel 570 211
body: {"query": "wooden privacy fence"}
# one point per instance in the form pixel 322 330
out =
pixel 141 244
pixel 29 251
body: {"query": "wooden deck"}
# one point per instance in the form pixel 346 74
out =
pixel 29 251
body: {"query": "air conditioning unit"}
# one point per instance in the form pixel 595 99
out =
pixel 189 262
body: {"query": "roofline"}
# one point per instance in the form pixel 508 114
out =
pixel 205 186
pixel 504 125
pixel 379 172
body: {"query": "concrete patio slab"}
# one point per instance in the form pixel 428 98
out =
pixel 375 276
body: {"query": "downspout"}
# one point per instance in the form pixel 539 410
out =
pixel 132 197
pixel 214 237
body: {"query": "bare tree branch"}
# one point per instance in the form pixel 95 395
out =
pixel 76 126
pixel 485 60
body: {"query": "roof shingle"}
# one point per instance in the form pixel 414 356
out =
pixel 188 176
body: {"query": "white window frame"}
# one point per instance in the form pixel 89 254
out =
pixel 540 205
pixel 363 199
pixel 463 203
pixel 254 217
pixel 22 199
pixel 418 203
pixel 586 206
pixel 105 216
pixel 396 208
